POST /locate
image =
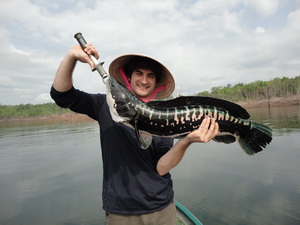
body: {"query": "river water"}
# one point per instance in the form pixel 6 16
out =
pixel 52 174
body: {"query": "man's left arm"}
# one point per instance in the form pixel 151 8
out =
pixel 207 131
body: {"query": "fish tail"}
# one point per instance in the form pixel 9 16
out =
pixel 257 139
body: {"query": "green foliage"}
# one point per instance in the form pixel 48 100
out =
pixel 29 110
pixel 278 87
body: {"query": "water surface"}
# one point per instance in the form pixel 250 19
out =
pixel 52 174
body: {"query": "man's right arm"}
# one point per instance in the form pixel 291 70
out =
pixel 62 91
pixel 63 78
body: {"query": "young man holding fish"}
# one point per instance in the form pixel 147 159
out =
pixel 137 185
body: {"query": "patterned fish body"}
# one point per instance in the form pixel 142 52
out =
pixel 178 117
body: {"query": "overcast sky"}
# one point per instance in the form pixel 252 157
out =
pixel 205 43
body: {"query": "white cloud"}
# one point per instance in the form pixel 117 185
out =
pixel 293 20
pixel 232 21
pixel 260 30
pixel 264 7
pixel 203 43
pixel 43 98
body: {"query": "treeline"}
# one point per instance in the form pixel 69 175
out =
pixel 29 110
pixel 278 87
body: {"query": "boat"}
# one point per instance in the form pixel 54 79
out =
pixel 184 216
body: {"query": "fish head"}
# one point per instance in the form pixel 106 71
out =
pixel 120 100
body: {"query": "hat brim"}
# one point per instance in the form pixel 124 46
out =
pixel 167 80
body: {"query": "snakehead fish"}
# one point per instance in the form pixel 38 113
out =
pixel 178 117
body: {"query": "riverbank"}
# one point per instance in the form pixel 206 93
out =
pixel 272 102
pixel 77 118
pixel 66 117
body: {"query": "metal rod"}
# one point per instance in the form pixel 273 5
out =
pixel 97 65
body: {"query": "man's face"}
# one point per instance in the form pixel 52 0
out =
pixel 143 82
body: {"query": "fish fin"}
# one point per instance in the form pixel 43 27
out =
pixel 233 108
pixel 257 139
pixel 227 139
pixel 144 138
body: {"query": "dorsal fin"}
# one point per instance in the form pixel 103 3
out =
pixel 233 108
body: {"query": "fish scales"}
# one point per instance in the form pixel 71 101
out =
pixel 178 117
pixel 166 122
pixel 172 122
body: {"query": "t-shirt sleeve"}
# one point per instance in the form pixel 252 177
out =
pixel 79 101
pixel 162 146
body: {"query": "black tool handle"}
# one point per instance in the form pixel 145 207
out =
pixel 98 66
pixel 80 40
pixel 83 43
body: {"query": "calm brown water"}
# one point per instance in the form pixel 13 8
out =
pixel 52 173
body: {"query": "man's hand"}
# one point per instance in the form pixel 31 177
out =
pixel 81 55
pixel 63 78
pixel 208 130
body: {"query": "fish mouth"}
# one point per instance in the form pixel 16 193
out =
pixel 119 104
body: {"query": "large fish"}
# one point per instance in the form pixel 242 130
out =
pixel 178 117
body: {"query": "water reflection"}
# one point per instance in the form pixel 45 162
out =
pixel 225 186
pixel 222 185
pixel 51 174
pixel 287 117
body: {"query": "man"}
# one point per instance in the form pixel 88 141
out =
pixel 137 185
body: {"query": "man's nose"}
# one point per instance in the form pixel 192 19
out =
pixel 144 79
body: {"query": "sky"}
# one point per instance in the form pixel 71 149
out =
pixel 204 43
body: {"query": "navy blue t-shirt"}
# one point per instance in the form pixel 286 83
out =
pixel 131 184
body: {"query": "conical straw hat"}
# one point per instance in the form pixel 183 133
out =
pixel 165 86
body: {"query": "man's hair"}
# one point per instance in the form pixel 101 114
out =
pixel 140 62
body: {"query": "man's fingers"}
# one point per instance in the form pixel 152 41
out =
pixel 216 130
pixel 209 129
pixel 91 50
pixel 205 123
